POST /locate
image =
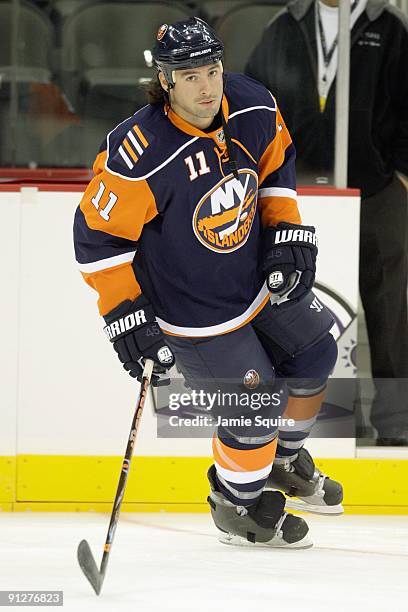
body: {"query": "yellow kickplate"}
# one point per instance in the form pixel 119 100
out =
pixel 370 482
pixel 106 507
pixel 179 484
pixel 7 479
pixel 53 478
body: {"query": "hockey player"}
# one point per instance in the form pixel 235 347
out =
pixel 191 236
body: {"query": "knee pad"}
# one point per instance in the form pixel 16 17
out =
pixel 311 369
pixel 255 419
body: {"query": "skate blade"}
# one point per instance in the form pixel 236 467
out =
pixel 235 540
pixel 298 504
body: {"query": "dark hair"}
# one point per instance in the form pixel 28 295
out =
pixel 155 93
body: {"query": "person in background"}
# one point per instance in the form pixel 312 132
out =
pixel 297 60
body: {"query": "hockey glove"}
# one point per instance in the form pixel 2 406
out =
pixel 136 336
pixel 289 262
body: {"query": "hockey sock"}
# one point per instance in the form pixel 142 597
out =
pixel 242 468
pixel 303 407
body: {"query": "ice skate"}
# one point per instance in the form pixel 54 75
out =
pixel 308 489
pixel 264 524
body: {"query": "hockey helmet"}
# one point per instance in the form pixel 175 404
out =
pixel 186 44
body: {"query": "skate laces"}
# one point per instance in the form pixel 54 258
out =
pixel 319 478
pixel 286 463
pixel 241 510
pixel 279 524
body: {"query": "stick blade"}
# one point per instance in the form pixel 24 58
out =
pixel 88 566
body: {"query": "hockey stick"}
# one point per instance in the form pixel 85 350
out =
pixel 84 554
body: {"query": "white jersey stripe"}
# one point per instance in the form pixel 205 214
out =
pixel 252 108
pixel 149 174
pixel 281 192
pixel 125 157
pixel 109 262
pixel 135 143
pixel 221 328
pixel 176 153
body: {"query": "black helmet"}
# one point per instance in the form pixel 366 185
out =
pixel 186 44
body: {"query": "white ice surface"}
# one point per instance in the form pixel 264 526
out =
pixel 162 562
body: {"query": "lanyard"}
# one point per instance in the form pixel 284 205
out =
pixel 328 54
pixel 327 57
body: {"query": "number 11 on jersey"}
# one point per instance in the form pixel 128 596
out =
pixel 203 166
pixel 104 212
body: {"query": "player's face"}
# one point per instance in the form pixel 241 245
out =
pixel 197 94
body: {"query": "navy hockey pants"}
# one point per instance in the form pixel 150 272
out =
pixel 291 344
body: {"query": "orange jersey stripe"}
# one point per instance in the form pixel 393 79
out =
pixel 135 205
pixel 114 285
pixel 99 162
pixel 273 157
pixel 274 209
pixel 130 150
pixel 141 136
pixel 303 408
pixel 243 460
pixel 244 149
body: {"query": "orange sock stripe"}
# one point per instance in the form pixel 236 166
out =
pixel 249 460
pixel 303 408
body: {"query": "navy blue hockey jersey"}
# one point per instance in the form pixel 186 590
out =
pixel 164 216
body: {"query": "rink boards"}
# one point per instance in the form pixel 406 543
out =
pixel 67 406
pixel 176 484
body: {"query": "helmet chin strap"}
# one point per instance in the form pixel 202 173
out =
pixel 232 161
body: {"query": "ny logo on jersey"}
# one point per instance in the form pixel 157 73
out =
pixel 228 195
pixel 223 218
